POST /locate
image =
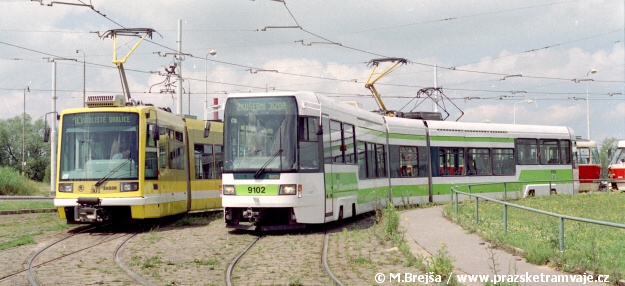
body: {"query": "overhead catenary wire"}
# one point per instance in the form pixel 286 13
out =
pixel 356 49
pixel 317 77
pixel 351 80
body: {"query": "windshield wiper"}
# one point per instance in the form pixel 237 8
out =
pixel 107 176
pixel 262 169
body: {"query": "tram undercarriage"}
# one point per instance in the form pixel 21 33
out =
pixel 89 210
pixel 261 219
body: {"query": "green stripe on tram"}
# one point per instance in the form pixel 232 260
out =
pixel 545 175
pixel 406 136
pixel 471 139
pixel 410 191
pixel 346 184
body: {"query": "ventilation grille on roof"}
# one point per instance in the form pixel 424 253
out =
pixel 105 100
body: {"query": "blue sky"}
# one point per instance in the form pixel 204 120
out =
pixel 479 47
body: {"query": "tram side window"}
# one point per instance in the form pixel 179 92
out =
pixel 162 147
pixel 308 144
pixel 149 142
pixel 362 159
pixel 339 144
pixel 151 166
pixel 371 160
pixel 204 161
pixel 372 171
pixel 527 151
pixel 336 142
pixel 423 161
pixel 393 153
pixel 549 152
pixel 176 150
pixel 503 161
pixel 349 143
pixel 566 152
pixel 451 161
pixel 478 162
pixel 308 129
pixel 380 161
pixel 408 161
pixel 327 140
pixel 151 159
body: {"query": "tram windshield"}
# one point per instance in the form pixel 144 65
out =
pixel 99 146
pixel 586 155
pixel 260 134
pixel 619 156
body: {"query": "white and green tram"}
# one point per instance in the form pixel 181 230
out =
pixel 296 158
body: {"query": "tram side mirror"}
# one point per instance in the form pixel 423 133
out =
pixel 155 134
pixel 320 130
pixel 46 134
pixel 207 129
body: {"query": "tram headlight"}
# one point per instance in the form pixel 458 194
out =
pixel 66 188
pixel 129 187
pixel 228 190
pixel 288 189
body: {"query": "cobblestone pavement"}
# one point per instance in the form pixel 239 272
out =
pixel 198 250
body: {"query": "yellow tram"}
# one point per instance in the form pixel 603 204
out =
pixel 119 160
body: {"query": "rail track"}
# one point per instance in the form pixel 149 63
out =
pixel 277 254
pixel 81 256
pixel 198 251
pixel 90 248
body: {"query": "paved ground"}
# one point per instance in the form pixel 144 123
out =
pixel 427 229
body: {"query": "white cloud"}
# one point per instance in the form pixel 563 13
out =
pixel 484 36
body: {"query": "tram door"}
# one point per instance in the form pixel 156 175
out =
pixel 328 174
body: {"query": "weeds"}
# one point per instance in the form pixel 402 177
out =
pixel 210 261
pixel 440 264
pixel 390 222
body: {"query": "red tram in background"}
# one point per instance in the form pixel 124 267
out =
pixel 616 169
pixel 589 165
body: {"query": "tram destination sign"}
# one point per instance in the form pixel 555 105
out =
pixel 261 105
pixel 101 119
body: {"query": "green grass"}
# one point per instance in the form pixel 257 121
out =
pixel 587 247
pixel 13 184
pixel 25 205
pixel 15 232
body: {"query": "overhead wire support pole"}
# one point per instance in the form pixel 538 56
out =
pixel 370 83
pixel 179 62
pixel 53 139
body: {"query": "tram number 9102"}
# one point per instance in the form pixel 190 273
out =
pixel 256 190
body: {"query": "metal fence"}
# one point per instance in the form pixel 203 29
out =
pixel 505 204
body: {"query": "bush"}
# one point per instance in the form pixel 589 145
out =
pixel 13 184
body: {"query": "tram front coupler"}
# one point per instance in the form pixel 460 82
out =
pixel 251 215
pixel 89 210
